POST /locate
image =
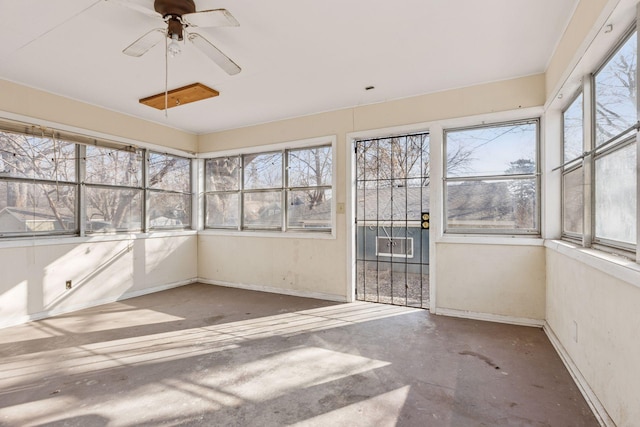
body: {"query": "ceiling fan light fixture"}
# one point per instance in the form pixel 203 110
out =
pixel 174 48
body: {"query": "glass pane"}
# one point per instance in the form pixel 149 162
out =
pixel 170 173
pixel 365 152
pixel 572 130
pixel 382 159
pixel 113 209
pixel 492 204
pixel 418 156
pixel 108 166
pixel 572 201
pixel 406 200
pixel 615 93
pixel 169 210
pixel 402 158
pixel 494 150
pixel 263 171
pixel 398 157
pixel 25 156
pixel 28 208
pixel 222 174
pixel 310 167
pixel 221 210
pixel 382 203
pixel 262 210
pixel 309 209
pixel 616 196
pixel 397 200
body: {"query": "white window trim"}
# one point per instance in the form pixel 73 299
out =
pixel 25 240
pixel 280 146
pixel 537 175
pixel 591 56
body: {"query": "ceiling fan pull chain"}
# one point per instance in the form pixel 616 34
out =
pixel 166 78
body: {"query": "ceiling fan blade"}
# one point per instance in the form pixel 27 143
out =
pixel 146 42
pixel 137 6
pixel 210 18
pixel 214 54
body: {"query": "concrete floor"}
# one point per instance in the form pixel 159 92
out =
pixel 212 356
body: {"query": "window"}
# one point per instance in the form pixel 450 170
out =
pixel 72 184
pixel 38 186
pixel 169 186
pixel 572 172
pixel 222 192
pixel 401 247
pixel 279 191
pixel 615 93
pixel 113 189
pixel 262 195
pixel 491 179
pixel 608 167
pixel 615 162
pixel 309 188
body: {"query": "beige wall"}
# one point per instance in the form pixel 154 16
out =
pixel 506 95
pixel 33 277
pixel 299 266
pixel 500 280
pixel 291 264
pixel 592 299
pixel 593 314
pixel 41 105
pixel 595 317
pixel 575 40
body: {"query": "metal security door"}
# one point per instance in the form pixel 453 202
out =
pixel 392 220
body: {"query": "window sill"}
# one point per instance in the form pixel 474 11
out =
pixel 75 240
pixel 475 239
pixel 271 234
pixel 616 266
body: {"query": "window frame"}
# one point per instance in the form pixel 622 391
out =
pixel 611 146
pixel 283 229
pixel 593 152
pixel 572 165
pixel 536 175
pixel 85 185
pixel 150 190
pixel 7 128
pixel 242 223
pixel 80 142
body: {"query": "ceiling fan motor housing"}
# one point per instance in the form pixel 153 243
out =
pixel 174 7
pixel 173 10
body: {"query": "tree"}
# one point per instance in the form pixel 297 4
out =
pixel 310 168
pixel 45 162
pixel 523 192
pixel 616 93
pixel 41 179
pixel 222 175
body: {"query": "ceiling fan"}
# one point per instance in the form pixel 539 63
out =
pixel 180 15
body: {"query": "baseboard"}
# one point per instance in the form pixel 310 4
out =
pixel 511 320
pixel 274 290
pixel 59 311
pixel 592 400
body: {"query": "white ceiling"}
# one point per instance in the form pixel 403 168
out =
pixel 298 57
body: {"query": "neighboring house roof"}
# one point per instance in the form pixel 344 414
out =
pixel 398 203
pixel 32 214
pixel 14 219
